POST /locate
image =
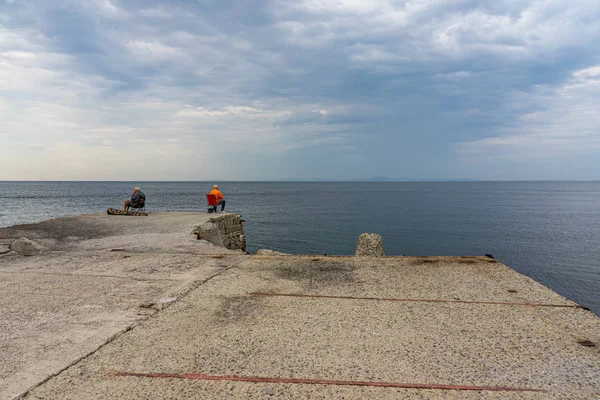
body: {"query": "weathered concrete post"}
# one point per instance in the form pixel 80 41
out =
pixel 223 231
pixel 370 244
pixel 26 247
pixel 210 232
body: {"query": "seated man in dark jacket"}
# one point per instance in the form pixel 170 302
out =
pixel 137 200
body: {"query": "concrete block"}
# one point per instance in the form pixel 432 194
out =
pixel 211 233
pixel 26 247
pixel 370 244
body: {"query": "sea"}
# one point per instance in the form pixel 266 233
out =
pixel 549 231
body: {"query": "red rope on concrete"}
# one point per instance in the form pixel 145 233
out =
pixel 506 303
pixel 258 379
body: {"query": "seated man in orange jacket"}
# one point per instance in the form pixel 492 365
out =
pixel 220 198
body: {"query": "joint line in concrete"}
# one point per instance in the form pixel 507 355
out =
pixel 504 303
pixel 301 381
pixel 91 276
pixel 115 336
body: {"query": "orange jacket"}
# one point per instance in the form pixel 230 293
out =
pixel 217 193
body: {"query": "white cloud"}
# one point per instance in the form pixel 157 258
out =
pixel 108 9
pixel 424 30
pixel 155 13
pixel 453 76
pixel 149 51
pixel 567 123
pixel 587 73
pixel 373 54
pixel 230 111
pixel 280 76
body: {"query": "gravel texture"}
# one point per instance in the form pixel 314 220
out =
pixel 99 276
pixel 370 244
pixel 115 295
pixel 224 328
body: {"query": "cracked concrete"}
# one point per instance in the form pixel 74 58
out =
pixel 233 326
pixel 59 306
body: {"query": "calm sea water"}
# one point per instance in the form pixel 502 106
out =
pixel 549 231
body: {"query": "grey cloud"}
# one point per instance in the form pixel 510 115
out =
pixel 418 76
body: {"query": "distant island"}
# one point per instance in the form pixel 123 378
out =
pixel 380 179
pixel 386 179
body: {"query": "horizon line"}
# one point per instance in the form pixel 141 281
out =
pixel 458 180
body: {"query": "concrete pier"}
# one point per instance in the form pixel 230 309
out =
pixel 138 307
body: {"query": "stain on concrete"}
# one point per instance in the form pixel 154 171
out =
pixel 586 343
pixel 319 273
pixel 237 308
pixel 58 229
pixel 420 261
pixel 455 260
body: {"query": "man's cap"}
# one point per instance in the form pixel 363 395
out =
pixel 136 188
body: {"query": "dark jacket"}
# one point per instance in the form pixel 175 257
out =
pixel 137 199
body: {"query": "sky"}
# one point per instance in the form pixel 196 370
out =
pixel 305 89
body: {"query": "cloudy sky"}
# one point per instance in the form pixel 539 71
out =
pixel 335 89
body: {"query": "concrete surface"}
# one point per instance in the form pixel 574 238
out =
pixel 459 321
pixel 136 307
pixel 164 232
pixel 102 275
pixel 269 252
